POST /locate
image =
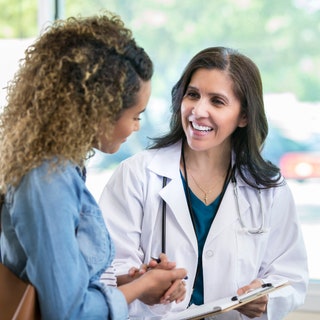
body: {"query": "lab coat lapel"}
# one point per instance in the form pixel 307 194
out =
pixel 174 196
pixel 167 164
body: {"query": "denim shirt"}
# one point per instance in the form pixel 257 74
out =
pixel 53 235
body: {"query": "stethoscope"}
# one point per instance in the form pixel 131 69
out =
pixel 257 230
pixel 253 230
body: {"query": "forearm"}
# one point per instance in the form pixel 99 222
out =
pixel 126 278
pixel 131 289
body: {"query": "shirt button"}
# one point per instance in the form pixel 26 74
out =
pixel 209 253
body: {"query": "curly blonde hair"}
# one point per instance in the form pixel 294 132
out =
pixel 75 79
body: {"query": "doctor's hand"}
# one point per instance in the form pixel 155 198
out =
pixel 156 263
pixel 161 262
pixel 177 291
pixel 254 308
pixel 165 286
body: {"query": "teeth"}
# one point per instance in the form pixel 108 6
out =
pixel 201 128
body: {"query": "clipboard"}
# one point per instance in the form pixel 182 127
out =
pixel 226 304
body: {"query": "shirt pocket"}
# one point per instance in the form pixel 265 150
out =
pixel 94 239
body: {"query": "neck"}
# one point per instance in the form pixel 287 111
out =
pixel 205 174
pixel 211 161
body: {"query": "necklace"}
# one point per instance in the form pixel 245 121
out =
pixel 206 193
pixel 226 182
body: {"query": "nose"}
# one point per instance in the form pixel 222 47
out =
pixel 200 109
pixel 136 126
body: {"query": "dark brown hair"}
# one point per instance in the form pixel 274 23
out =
pixel 247 142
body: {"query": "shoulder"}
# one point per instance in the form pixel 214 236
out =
pixel 150 157
pixel 249 183
pixel 142 157
pixel 51 170
pixel 48 178
pixel 152 162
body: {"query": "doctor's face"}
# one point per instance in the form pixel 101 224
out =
pixel 128 122
pixel 210 110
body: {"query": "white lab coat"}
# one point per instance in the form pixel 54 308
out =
pixel 132 206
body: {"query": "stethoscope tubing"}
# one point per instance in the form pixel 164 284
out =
pixel 259 229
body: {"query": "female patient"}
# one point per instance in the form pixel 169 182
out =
pixel 83 84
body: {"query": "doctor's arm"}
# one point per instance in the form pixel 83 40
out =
pixel 285 257
pixel 121 203
pixel 122 206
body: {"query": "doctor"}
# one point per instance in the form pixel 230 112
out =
pixel 204 195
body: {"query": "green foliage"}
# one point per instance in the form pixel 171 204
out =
pixel 280 36
pixel 18 19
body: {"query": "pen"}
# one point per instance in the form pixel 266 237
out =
pixel 251 293
pixel 158 260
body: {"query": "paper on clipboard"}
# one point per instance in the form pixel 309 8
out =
pixel 225 304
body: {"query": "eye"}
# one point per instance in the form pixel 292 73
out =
pixel 217 101
pixel 137 117
pixel 192 94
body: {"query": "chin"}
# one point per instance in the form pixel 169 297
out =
pixel 197 145
pixel 110 149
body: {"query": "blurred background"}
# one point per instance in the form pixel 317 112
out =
pixel 282 37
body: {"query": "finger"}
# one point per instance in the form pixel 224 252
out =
pixel 165 263
pixel 243 290
pixel 153 263
pixel 179 291
pixel 247 288
pixel 252 313
pixel 262 300
pixel 179 273
pixel 143 268
pixel 180 294
pixel 163 257
pixel 181 298
pixel 254 308
pixel 167 295
pixel 132 271
pixel 176 292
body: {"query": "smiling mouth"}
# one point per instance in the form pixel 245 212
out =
pixel 200 128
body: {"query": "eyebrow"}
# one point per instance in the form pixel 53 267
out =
pixel 221 95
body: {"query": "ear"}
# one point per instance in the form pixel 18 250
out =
pixel 243 120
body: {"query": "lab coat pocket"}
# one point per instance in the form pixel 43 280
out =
pixel 251 249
